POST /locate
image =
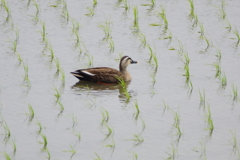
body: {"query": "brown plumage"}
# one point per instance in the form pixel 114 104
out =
pixel 106 74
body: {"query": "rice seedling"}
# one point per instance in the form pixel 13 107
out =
pixel 90 12
pixel 153 56
pixel 57 63
pixel 187 73
pixel 223 80
pixel 169 36
pixel 219 54
pixel 90 60
pixel 61 107
pixel 26 78
pixel 52 55
pixel 78 135
pixel 6 155
pixel 135 14
pixel 14 147
pixel 222 10
pixel 14 48
pixel 202 98
pixel 45 142
pixel 237 35
pixel 75 26
pixel 195 22
pixel 172 154
pixel 37 11
pixel 201 149
pixel 123 85
pixel 218 69
pixel 202 30
pixel 40 127
pixel 162 14
pixel 136 110
pixel 109 129
pixel 209 120
pixel 74 120
pixel 176 124
pixel 126 5
pixel 106 27
pixel 7 9
pixel 6 130
pixel 138 139
pixel 16 31
pixel 111 45
pixel 65 13
pixel 234 141
pixel 30 113
pixel 105 115
pixel 91 102
pixel 72 150
pixel 166 107
pixel 152 3
pixel 143 40
pixel 190 86
pixel 95 2
pixel 43 32
pixel 112 145
pixel 143 124
pixel 235 93
pixel 209 44
pixel 229 26
pixel 57 94
pixel 192 11
pixel 48 154
pixel 98 157
pixel 135 156
pixel 181 49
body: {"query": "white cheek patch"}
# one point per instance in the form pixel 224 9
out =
pixel 90 74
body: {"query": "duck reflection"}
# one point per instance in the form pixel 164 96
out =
pixel 99 89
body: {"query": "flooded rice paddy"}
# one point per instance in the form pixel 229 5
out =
pixel 182 102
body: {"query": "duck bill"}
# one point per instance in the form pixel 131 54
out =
pixel 133 62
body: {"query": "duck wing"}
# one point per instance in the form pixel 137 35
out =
pixel 98 74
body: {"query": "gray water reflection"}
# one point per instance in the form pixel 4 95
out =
pixel 96 89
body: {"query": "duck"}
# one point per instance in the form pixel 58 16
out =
pixel 106 74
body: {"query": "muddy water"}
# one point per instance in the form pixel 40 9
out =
pixel 83 101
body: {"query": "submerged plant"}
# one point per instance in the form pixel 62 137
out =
pixel 14 147
pixel 111 45
pixel 98 157
pixel 229 26
pixel 153 56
